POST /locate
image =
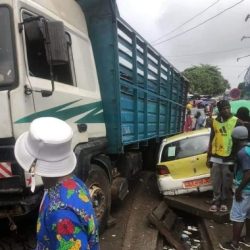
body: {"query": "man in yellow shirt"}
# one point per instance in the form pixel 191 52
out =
pixel 220 156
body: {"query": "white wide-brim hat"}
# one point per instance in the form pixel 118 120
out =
pixel 46 147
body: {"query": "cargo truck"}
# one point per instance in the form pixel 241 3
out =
pixel 81 62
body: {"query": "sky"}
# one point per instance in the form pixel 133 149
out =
pixel 218 41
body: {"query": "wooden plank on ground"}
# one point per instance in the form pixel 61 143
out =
pixel 171 239
pixel 196 204
pixel 169 219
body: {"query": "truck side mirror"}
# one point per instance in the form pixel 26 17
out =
pixel 56 43
pixel 56 48
pixel 33 30
pixel 52 35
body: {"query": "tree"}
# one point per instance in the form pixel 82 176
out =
pixel 241 87
pixel 245 90
pixel 206 80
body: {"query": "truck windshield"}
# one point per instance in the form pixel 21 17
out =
pixel 7 73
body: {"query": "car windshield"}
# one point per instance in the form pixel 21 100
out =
pixel 7 73
pixel 186 147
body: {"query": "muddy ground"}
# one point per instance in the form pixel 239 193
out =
pixel 130 231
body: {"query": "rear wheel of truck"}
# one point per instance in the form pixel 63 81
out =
pixel 100 192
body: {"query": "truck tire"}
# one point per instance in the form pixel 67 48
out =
pixel 100 192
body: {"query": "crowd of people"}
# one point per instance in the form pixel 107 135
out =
pixel 200 119
pixel 228 158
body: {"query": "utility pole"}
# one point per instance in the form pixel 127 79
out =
pixel 244 37
pixel 246 18
pixel 247 75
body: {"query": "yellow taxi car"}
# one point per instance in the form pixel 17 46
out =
pixel 181 166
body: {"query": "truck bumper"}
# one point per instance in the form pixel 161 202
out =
pixel 17 204
pixel 15 198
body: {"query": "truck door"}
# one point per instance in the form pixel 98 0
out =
pixel 76 96
pixel 40 75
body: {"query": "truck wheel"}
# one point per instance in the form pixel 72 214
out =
pixel 100 192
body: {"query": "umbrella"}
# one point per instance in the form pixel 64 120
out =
pixel 235 105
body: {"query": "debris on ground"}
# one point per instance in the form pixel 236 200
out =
pixel 178 222
pixel 158 217
pixel 196 229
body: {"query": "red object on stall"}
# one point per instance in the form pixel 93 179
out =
pixel 235 93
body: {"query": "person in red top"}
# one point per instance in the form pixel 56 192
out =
pixel 188 122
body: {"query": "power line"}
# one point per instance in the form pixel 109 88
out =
pixel 243 71
pixel 189 20
pixel 210 52
pixel 242 57
pixel 198 25
pixel 231 66
pixel 219 65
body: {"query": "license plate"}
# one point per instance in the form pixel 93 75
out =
pixel 197 183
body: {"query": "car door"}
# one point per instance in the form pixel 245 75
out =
pixel 186 157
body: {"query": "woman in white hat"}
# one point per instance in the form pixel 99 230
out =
pixel 66 217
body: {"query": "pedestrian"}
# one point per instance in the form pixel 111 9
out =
pixel 208 120
pixel 194 104
pixel 220 156
pixel 199 123
pixel 189 106
pixel 207 109
pixel 240 211
pixel 66 217
pixel 243 115
pixel 188 122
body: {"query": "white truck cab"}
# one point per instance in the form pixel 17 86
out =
pixel 31 86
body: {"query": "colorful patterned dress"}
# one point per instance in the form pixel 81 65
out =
pixel 66 219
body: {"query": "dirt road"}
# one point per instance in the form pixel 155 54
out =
pixel 131 230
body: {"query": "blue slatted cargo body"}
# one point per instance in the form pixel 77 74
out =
pixel 143 95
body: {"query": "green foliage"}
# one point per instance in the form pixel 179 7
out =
pixel 245 90
pixel 241 87
pixel 206 80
